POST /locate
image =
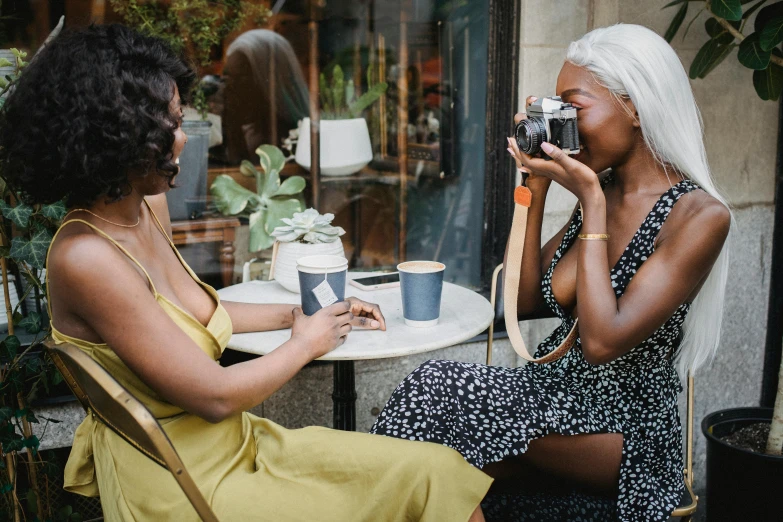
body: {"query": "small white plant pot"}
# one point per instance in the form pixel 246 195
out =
pixel 345 146
pixel 289 253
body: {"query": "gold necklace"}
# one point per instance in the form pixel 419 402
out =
pixel 106 220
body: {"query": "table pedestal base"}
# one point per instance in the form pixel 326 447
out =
pixel 344 396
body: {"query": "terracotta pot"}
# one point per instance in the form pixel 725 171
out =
pixel 288 253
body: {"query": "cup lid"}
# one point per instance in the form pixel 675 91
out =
pixel 321 263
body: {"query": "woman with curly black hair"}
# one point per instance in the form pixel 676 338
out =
pixel 96 119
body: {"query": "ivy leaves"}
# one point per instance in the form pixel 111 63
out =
pixel 32 323
pixel 20 214
pixel 9 348
pixel 32 250
pixel 54 212
pixel 758 50
pixel 39 222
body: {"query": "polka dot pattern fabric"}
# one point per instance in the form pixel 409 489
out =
pixel 490 413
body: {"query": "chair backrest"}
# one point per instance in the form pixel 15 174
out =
pixel 497 293
pixel 690 500
pixel 105 398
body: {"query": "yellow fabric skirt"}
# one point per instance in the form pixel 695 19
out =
pixel 251 469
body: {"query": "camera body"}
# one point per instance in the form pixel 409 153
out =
pixel 549 120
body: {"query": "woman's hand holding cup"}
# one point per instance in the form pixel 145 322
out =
pixel 323 331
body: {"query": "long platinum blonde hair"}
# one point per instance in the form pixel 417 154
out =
pixel 634 62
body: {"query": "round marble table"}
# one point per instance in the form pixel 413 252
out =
pixel 464 314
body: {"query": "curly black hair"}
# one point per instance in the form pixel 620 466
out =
pixel 90 108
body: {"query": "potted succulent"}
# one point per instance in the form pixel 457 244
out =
pixel 272 202
pixel 345 138
pixel 307 233
pixel 744 462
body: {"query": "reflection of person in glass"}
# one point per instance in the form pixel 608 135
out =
pixel 96 119
pixel 265 94
pixel 643 265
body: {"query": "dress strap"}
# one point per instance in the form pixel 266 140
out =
pixel 107 237
pixel 158 223
pixel 658 215
pixel 643 243
pixel 171 243
pixel 667 201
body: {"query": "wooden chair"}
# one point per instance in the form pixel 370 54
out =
pixel 689 501
pixel 103 397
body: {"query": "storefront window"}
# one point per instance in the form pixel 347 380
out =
pixel 407 182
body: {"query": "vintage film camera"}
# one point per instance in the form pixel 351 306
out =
pixel 550 120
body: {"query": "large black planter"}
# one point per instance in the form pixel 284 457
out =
pixel 741 485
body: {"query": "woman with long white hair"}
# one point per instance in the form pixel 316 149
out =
pixel 641 263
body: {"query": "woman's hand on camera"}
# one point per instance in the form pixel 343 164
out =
pixel 530 179
pixel 574 176
pixel 366 315
pixel 323 331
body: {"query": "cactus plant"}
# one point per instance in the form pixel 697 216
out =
pixel 338 99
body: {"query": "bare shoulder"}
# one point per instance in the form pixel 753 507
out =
pixel 81 260
pixel 697 215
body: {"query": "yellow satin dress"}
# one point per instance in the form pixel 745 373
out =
pixel 251 469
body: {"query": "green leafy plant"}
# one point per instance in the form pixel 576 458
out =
pixel 25 372
pixel 759 48
pixel 338 98
pixel 196 27
pixel 308 227
pixel 760 51
pixel 8 80
pixel 269 205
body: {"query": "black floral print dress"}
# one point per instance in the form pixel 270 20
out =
pixel 489 413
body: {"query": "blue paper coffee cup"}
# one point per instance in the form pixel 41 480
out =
pixel 421 285
pixel 321 279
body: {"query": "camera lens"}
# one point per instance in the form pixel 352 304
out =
pixel 530 134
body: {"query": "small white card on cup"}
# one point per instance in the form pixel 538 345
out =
pixel 325 294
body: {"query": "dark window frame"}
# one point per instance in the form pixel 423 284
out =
pixel 502 94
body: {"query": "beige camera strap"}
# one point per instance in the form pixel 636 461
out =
pixel 522 199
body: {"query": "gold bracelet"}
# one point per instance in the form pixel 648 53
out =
pixel 594 237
